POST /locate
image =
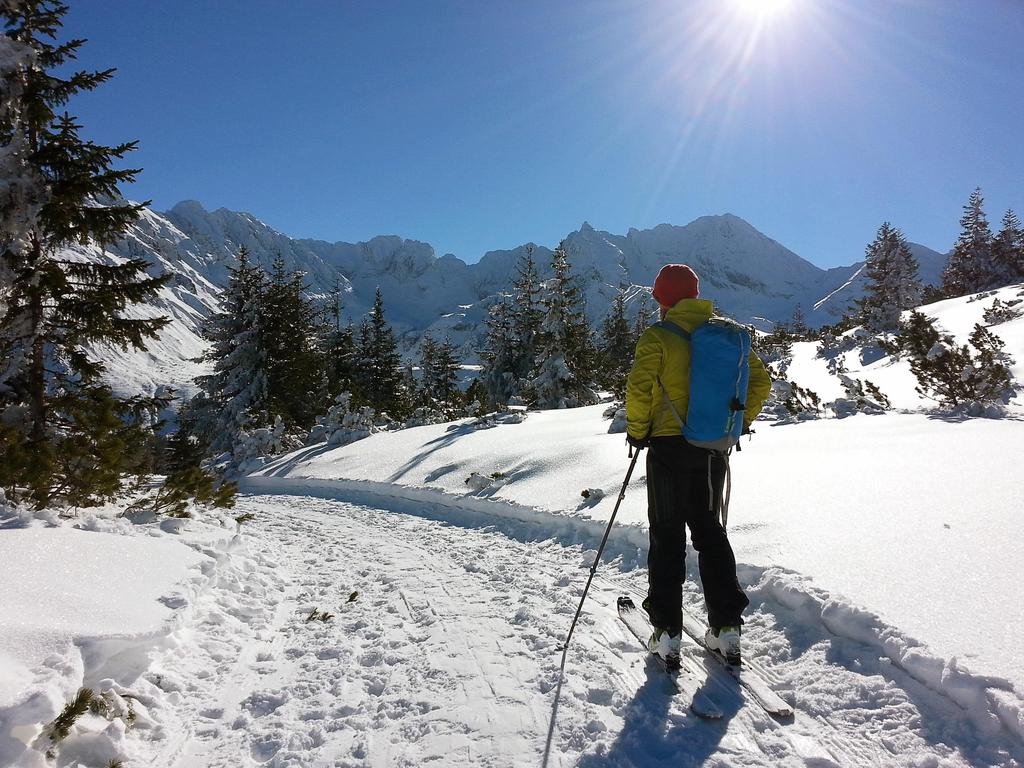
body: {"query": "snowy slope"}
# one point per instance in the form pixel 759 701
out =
pixel 956 316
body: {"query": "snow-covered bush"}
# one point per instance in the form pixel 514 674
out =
pixel 183 492
pixel 1001 312
pixel 832 347
pixel 478 482
pixel 426 415
pixel 775 349
pixel 788 402
pixel 15 515
pixel 253 448
pixel 493 419
pixel 433 415
pixel 977 383
pixel 861 397
pixel 343 425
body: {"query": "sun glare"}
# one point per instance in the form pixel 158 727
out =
pixel 762 9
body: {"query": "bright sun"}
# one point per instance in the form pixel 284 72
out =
pixel 762 9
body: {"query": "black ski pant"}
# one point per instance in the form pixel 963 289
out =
pixel 683 484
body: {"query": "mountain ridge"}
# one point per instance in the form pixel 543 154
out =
pixel 751 276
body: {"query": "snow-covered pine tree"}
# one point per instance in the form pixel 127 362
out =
pixel 892 281
pixel 236 396
pixel 798 323
pixel 969 267
pixel 439 367
pixel 428 351
pixel 527 314
pixel 296 373
pixel 65 435
pixel 615 353
pixel 378 365
pixel 561 377
pixel 644 316
pixel 338 344
pixel 1008 251
pixel 23 189
pixel 447 373
pixel 499 354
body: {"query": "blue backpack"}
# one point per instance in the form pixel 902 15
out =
pixel 719 373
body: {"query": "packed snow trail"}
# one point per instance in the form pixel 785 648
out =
pixel 443 649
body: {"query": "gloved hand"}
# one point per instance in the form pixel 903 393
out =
pixel 638 442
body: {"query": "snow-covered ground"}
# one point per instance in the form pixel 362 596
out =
pixel 878 551
pixel 912 517
pixel 443 648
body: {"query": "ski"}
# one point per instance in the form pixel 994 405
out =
pixel 749 679
pixel 683 680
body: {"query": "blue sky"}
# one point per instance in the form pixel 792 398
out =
pixel 484 124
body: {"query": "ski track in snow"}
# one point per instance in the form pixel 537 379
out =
pixel 450 655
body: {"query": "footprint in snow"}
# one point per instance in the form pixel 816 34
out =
pixel 371 659
pixel 262 703
pixel 264 748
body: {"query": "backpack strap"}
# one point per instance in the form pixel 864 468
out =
pixel 682 333
pixel 668 325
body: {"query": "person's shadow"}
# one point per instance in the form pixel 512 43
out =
pixel 655 735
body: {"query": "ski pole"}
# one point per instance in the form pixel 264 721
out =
pixel 600 549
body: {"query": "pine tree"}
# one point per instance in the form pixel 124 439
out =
pixel 236 396
pixel 339 345
pixel 527 315
pixel 439 367
pixel 296 374
pixel 644 315
pixel 61 191
pixel 616 347
pixel 969 268
pixel 1008 251
pixel 378 365
pixel 798 323
pixel 561 376
pixel 23 189
pixel 500 354
pixel 475 397
pixel 892 281
pixel 949 372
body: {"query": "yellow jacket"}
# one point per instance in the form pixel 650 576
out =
pixel 661 354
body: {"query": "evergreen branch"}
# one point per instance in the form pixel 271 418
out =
pixel 61 725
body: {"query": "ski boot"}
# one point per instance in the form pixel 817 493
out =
pixel 665 645
pixel 725 641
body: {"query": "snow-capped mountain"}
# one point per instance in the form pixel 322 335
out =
pixel 749 275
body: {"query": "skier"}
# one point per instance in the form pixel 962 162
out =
pixel 684 482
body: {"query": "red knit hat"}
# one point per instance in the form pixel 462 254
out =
pixel 675 282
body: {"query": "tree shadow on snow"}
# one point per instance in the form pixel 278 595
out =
pixel 453 434
pixel 963 418
pixel 658 731
pixel 282 468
